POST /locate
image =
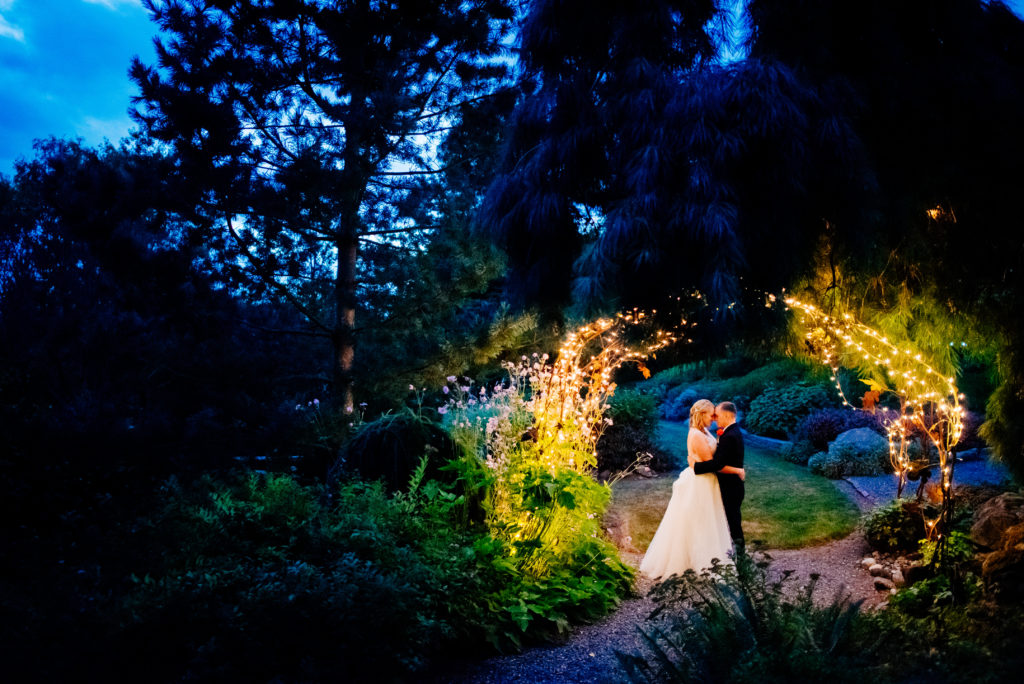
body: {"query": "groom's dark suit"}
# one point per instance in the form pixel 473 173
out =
pixel 728 453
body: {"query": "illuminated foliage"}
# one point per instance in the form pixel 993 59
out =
pixel 928 400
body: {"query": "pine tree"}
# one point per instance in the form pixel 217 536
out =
pixel 300 124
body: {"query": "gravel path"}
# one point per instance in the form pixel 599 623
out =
pixel 589 653
pixel 587 656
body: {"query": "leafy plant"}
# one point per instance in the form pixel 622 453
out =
pixel 390 448
pixel 733 624
pixel 779 409
pixel 798 452
pixel 896 527
pixel 632 434
pixel 824 425
pixel 827 464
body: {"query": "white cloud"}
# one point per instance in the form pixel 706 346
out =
pixel 95 130
pixel 112 4
pixel 7 29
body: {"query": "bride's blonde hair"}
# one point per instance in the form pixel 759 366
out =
pixel 699 409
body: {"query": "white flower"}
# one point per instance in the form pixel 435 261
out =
pixel 316 402
pixel 450 378
pixel 445 389
pixel 442 410
pixel 412 388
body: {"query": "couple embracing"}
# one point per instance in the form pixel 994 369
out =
pixel 702 520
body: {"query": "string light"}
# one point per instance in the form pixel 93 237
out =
pixel 929 401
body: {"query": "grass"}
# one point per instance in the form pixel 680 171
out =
pixel 786 507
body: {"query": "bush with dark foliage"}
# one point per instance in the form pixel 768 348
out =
pixel 632 434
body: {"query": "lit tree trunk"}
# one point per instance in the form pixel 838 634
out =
pixel 344 338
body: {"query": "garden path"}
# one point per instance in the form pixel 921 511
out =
pixel 589 653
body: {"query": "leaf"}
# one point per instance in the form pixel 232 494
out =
pixel 875 385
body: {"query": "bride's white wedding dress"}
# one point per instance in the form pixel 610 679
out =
pixel 694 529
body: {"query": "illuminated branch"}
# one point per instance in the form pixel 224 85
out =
pixel 929 400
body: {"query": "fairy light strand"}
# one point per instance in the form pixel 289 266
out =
pixel 929 400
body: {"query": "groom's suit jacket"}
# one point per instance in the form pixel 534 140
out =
pixel 728 453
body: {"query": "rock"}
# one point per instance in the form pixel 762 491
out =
pixel 1003 572
pixel 644 471
pixel 868 562
pixel 877 570
pixel 1013 537
pixel 898 579
pixel 995 516
pixel 883 584
pixel 862 451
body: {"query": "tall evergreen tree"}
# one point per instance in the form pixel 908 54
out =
pixel 935 93
pixel 300 124
pixel 692 173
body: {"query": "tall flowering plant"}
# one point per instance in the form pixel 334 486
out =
pixel 537 431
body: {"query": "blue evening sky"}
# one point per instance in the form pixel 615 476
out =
pixel 64 70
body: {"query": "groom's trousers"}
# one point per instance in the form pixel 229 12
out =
pixel 733 492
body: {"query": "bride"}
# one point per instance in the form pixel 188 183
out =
pixel 694 529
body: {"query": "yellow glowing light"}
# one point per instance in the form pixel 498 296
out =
pixel 929 402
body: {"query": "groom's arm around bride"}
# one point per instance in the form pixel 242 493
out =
pixel 729 453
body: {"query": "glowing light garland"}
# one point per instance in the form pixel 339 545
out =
pixel 548 416
pixel 929 400
pixel 573 395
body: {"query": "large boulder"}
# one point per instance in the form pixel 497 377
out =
pixel 860 451
pixel 995 516
pixel 1013 537
pixel 862 440
pixel 1003 572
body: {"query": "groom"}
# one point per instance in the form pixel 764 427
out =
pixel 728 453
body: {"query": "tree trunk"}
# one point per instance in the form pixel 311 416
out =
pixel 345 302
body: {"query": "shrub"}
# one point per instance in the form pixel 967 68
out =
pixel 253 579
pixel 896 527
pixel 824 425
pixel 778 410
pixel 827 465
pixel 862 452
pixel 734 366
pixel 732 624
pixel 756 382
pixel 391 447
pixel 852 454
pixel 621 445
pixel 798 452
pixel 677 403
pixel 633 433
pixel 630 407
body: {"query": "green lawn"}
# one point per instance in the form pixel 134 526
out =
pixel 786 507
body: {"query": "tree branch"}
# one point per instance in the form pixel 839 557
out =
pixel 262 270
